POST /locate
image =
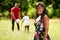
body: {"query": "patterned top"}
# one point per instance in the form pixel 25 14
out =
pixel 38 24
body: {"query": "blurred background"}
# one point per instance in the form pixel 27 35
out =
pixel 52 6
pixel 53 10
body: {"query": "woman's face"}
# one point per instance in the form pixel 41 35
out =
pixel 40 9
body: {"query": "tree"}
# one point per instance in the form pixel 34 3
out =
pixel 25 5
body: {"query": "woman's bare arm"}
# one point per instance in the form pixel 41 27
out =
pixel 46 26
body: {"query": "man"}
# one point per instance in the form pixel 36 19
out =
pixel 15 15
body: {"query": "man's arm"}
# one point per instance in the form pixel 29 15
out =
pixel 19 15
pixel 12 14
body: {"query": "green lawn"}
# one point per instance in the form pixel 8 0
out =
pixel 7 34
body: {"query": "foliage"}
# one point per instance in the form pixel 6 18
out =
pixel 29 6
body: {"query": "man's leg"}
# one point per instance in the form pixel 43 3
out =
pixel 18 26
pixel 13 24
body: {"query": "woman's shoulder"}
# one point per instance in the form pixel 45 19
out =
pixel 45 16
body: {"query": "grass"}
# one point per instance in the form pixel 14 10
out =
pixel 7 34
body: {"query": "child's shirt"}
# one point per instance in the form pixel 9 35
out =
pixel 26 20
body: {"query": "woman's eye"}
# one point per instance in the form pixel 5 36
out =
pixel 39 8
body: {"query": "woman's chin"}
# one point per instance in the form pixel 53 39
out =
pixel 39 13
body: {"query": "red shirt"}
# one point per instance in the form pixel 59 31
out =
pixel 15 11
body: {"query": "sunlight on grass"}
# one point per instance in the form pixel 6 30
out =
pixel 7 34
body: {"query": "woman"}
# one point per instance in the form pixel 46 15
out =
pixel 42 20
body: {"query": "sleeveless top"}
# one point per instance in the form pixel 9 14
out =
pixel 39 24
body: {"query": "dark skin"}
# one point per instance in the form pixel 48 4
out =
pixel 40 10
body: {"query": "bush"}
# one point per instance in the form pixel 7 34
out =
pixel 50 11
pixel 6 13
pixel 31 12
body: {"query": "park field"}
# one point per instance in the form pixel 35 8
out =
pixel 7 34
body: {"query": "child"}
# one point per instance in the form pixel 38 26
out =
pixel 26 21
